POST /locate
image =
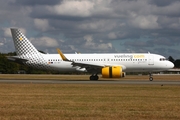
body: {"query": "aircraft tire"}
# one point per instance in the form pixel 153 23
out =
pixel 92 77
pixel 150 78
pixel 96 77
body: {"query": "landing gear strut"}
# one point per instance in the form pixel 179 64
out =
pixel 150 76
pixel 94 77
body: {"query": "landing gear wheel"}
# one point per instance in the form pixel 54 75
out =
pixel 151 78
pixel 94 77
pixel 91 77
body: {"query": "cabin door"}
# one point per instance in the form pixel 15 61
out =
pixel 151 60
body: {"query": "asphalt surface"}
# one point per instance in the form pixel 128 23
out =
pixel 130 82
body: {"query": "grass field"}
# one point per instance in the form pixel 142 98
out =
pixel 88 101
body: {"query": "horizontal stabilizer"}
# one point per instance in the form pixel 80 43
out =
pixel 16 59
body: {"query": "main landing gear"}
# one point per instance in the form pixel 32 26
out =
pixel 150 77
pixel 94 77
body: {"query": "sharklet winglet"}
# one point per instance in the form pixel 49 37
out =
pixel 62 55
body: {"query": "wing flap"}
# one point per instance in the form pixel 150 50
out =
pixel 88 64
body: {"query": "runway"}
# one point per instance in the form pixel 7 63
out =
pixel 83 79
pixel 130 82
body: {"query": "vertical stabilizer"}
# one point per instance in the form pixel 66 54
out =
pixel 22 45
pixel 26 52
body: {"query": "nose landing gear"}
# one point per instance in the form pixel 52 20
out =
pixel 150 77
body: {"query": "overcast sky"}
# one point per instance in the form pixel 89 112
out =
pixel 94 26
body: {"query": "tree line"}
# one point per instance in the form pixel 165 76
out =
pixel 9 67
pixel 176 62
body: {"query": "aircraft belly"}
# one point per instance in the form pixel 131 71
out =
pixel 144 68
pixel 63 67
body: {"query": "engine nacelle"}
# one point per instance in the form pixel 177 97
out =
pixel 112 72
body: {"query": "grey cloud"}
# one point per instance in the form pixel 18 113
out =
pixel 162 51
pixel 138 44
pixel 104 20
pixel 171 10
pixel 166 22
pixel 36 2
pixel 161 41
pixel 168 52
pixel 171 50
pixel 162 2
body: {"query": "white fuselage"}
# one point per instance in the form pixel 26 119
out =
pixel 138 62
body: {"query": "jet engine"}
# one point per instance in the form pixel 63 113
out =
pixel 112 72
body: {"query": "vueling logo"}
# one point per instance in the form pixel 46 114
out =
pixel 20 38
pixel 139 56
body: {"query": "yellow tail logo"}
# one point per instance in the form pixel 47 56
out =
pixel 20 38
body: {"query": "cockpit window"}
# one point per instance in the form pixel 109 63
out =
pixel 163 59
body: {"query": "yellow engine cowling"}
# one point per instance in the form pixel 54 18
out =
pixel 112 72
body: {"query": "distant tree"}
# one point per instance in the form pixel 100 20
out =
pixel 6 66
pixel 177 63
pixel 9 67
pixel 170 58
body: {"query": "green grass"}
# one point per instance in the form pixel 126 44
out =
pixel 89 101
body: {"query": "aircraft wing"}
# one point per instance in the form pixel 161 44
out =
pixel 88 64
pixel 93 66
pixel 16 59
pixel 90 67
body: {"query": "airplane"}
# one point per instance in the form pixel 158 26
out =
pixel 110 65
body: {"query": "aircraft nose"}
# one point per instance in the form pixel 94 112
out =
pixel 170 65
